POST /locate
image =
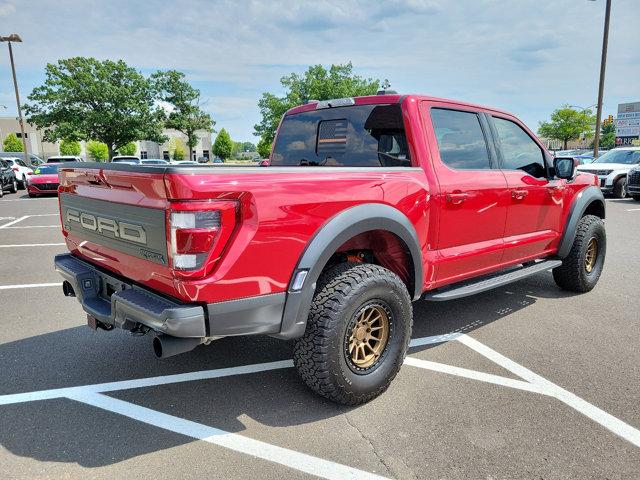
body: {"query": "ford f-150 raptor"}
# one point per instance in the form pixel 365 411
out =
pixel 367 204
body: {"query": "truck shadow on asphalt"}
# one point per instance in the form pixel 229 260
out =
pixel 63 430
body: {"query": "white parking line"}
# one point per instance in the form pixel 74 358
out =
pixel 32 226
pixel 93 395
pixel 30 285
pixel 26 199
pixel 14 221
pixel 633 209
pixel 473 374
pixel 233 441
pixel 608 421
pixel 33 245
pixel 144 382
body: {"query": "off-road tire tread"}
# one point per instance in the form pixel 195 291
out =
pixel 310 352
pixel 569 275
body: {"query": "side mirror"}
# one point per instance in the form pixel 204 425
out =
pixel 565 167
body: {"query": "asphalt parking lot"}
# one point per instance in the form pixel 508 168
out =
pixel 522 382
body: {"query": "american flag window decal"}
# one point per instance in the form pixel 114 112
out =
pixel 332 137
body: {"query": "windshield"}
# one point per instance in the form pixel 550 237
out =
pixel 355 136
pixel 46 170
pixel 628 157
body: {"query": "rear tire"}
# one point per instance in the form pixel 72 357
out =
pixel 23 183
pixel 636 198
pixel 324 355
pixel 620 188
pixel 581 269
pixel 14 186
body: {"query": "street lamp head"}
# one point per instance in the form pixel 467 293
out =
pixel 14 37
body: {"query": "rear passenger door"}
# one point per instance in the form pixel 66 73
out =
pixel 472 210
pixel 535 205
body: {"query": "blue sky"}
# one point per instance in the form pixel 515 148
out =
pixel 524 56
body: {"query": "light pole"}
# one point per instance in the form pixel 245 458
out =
pixel 14 37
pixel 603 63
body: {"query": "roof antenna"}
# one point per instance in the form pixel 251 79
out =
pixel 384 90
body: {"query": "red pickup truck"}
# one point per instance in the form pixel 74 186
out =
pixel 367 205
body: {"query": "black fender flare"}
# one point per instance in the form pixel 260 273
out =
pixel 335 232
pixel 582 201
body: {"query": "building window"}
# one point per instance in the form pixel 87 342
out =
pixel 143 154
pixel 19 135
pixel 165 154
pixel 205 154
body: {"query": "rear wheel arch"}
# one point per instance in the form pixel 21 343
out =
pixel 334 235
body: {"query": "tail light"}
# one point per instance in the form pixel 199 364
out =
pixel 198 233
pixel 15 169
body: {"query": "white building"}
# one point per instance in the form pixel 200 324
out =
pixel 145 149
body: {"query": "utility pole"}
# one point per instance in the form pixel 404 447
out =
pixel 14 37
pixel 603 64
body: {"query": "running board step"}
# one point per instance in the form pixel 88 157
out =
pixel 476 286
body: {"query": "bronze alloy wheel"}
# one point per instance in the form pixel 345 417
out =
pixel 369 335
pixel 591 256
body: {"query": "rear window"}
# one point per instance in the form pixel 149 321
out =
pixel 355 136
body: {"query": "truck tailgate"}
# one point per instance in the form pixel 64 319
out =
pixel 116 218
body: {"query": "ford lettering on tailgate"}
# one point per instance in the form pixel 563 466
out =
pixel 137 231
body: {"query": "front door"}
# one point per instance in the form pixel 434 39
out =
pixel 533 219
pixel 472 194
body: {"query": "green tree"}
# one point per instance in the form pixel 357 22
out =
pixel 70 147
pixel 248 147
pixel 607 136
pixel 176 149
pixel 186 113
pixel 12 143
pixel 98 151
pixel 128 149
pixel 84 98
pixel 567 124
pixel 223 145
pixel 264 148
pixel 317 83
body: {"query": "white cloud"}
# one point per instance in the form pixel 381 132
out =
pixel 6 9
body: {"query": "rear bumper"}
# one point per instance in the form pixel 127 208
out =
pixel 124 305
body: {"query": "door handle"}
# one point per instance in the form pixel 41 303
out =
pixel 456 198
pixel 519 194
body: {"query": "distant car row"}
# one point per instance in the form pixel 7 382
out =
pixel 614 171
pixel 16 175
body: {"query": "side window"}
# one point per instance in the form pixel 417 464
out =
pixel 461 141
pixel 519 150
pixel 21 163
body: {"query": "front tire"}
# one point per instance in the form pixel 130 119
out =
pixel 14 186
pixel 581 269
pixel 357 333
pixel 636 198
pixel 620 188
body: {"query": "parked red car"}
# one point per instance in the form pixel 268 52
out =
pixel 367 205
pixel 43 180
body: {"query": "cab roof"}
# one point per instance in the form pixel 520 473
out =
pixel 389 98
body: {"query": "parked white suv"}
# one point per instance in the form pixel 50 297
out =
pixel 612 168
pixel 20 170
